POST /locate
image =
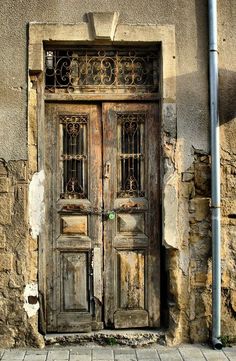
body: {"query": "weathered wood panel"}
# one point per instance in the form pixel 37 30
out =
pixel 130 223
pixel 74 271
pixel 74 224
pixel 74 322
pixel 131 240
pixel 73 232
pixel 131 279
pixel 131 319
pixel 132 287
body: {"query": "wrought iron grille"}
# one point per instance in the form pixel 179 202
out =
pixel 74 155
pixel 92 69
pixel 131 153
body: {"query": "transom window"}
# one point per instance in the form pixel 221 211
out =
pixel 118 70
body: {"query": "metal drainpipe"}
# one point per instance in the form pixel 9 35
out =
pixel 215 177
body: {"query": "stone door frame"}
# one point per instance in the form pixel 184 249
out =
pixel 103 28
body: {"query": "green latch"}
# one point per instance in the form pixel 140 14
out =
pixel 111 215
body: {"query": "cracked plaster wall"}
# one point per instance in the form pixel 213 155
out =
pixel 190 19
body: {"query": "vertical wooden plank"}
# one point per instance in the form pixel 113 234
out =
pixel 52 302
pixel 153 220
pixel 132 282
pixel 96 227
pixel 109 194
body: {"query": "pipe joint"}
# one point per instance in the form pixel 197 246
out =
pixel 216 344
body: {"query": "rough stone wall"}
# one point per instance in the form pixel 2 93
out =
pixel 196 192
pixel 18 265
pixel 188 260
pixel 193 305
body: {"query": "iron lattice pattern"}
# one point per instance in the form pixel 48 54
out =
pixel 131 154
pixel 74 155
pixel 86 69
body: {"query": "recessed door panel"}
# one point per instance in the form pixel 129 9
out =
pixel 74 273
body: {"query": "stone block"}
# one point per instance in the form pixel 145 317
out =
pixel 187 176
pixel 233 299
pixel 18 170
pixel 186 190
pixel 200 279
pixel 104 24
pixel 202 179
pixel 229 207
pixel 2 240
pixel 6 261
pixel 5 209
pixel 3 309
pixel 199 330
pixel 4 279
pixel 4 184
pixel 3 169
pixel 202 210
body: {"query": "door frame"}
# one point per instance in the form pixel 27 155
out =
pixel 39 34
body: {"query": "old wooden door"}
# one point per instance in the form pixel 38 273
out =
pixel 102 171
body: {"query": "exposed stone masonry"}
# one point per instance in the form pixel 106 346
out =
pixel 18 254
pixel 195 254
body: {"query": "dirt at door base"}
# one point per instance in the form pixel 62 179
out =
pixel 132 338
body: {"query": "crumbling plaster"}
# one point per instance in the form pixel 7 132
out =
pixel 36 203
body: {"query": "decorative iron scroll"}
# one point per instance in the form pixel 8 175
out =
pixel 74 155
pixel 93 69
pixel 131 153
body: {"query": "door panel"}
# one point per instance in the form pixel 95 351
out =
pixel 102 232
pixel 131 239
pixel 74 232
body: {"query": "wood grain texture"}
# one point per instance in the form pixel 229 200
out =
pixel 74 225
pixel 101 269
pixel 74 271
pixel 130 223
pixel 131 319
pixel 73 232
pixel 132 279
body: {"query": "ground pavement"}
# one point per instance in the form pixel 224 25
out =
pixel 117 353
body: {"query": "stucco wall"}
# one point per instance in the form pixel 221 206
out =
pixel 190 18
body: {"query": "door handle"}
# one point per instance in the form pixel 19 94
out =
pixel 107 170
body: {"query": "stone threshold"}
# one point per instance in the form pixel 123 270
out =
pixel 132 338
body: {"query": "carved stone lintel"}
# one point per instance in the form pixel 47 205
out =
pixel 103 25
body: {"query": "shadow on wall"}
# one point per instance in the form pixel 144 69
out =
pixel 227 95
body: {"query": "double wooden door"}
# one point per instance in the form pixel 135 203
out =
pixel 102 224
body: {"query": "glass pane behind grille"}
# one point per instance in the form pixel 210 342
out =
pixel 131 154
pixel 99 68
pixel 74 155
